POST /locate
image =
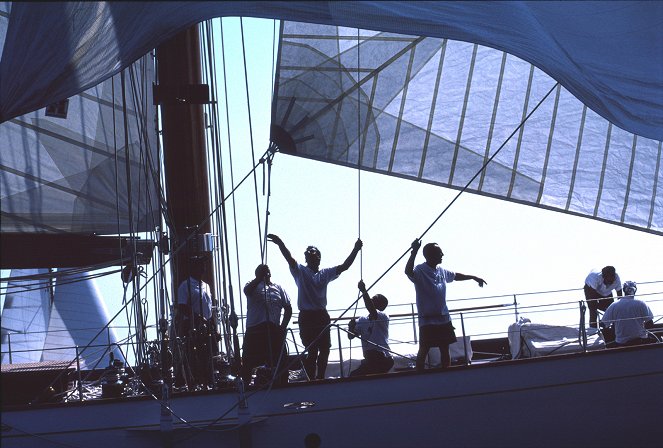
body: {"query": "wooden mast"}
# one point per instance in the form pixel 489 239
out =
pixel 181 94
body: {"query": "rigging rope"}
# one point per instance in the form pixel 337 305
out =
pixel 483 167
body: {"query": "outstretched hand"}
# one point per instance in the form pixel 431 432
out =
pixel 361 285
pixel 416 244
pixel 480 281
pixel 358 244
pixel 274 239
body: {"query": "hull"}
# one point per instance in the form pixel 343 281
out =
pixel 607 398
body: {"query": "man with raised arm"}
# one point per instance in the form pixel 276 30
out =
pixel 430 283
pixel 374 332
pixel 314 320
pixel 265 332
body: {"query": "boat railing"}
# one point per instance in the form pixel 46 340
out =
pixel 487 321
pixel 475 319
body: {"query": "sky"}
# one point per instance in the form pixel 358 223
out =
pixel 516 249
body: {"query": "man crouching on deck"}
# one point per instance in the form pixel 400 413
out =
pixel 430 283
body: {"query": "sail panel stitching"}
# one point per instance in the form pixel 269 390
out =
pixel 655 187
pixel 634 148
pixel 516 156
pixel 463 113
pixel 436 90
pixel 408 79
pixel 489 140
pixel 606 151
pixel 574 172
pixel 553 120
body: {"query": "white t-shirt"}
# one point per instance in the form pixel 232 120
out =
pixel 196 293
pixel 430 285
pixel 312 287
pixel 375 331
pixel 629 315
pixel 595 280
pixel 263 301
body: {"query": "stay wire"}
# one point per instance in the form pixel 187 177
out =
pixel 483 167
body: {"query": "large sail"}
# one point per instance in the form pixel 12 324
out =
pixel 25 316
pixel 71 168
pixel 435 110
pixel 608 54
pixel 78 324
pixel 55 320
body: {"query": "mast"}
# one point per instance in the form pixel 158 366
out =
pixel 181 95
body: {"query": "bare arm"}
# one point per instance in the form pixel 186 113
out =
pixel 253 284
pixel 462 277
pixel 351 258
pixel 284 250
pixel 368 303
pixel 409 266
pixel 287 314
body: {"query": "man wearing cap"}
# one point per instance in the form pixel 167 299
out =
pixel 598 291
pixel 314 320
pixel 630 317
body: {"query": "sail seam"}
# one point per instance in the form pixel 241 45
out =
pixel 553 121
pixel 408 78
pixel 459 135
pixel 634 148
pixel 489 140
pixel 436 89
pixel 606 151
pixel 655 187
pixel 574 172
pixel 516 156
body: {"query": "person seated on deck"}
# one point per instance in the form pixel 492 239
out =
pixel 264 341
pixel 598 291
pixel 374 332
pixel 630 317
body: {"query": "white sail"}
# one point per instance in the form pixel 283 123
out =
pixel 79 315
pixel 25 316
pixel 46 320
pixel 435 110
pixel 607 54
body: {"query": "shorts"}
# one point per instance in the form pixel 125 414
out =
pixel 311 325
pixel 436 335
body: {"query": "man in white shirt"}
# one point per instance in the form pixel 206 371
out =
pixel 598 291
pixel 265 332
pixel 630 317
pixel 374 332
pixel 430 284
pixel 194 325
pixel 312 302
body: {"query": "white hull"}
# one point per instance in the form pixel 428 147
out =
pixel 607 398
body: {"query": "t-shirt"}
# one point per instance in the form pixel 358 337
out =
pixel 595 280
pixel 265 304
pixel 196 293
pixel 629 315
pixel 430 285
pixel 312 286
pixel 375 331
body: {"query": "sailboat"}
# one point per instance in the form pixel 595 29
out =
pixel 360 84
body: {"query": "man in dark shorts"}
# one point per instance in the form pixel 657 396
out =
pixel 430 283
pixel 265 333
pixel 312 302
